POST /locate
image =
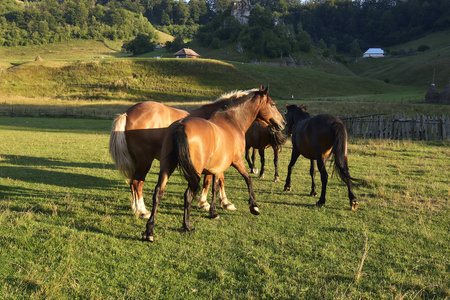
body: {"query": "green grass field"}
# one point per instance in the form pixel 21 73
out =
pixel 67 230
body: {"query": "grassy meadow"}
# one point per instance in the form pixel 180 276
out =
pixel 67 230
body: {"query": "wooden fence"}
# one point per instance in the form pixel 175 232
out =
pixel 398 127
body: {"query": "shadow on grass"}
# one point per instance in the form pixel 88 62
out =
pixel 56 178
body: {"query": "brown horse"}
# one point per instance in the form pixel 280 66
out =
pixel 136 139
pixel 260 137
pixel 316 138
pixel 210 147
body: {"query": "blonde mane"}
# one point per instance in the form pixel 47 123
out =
pixel 235 94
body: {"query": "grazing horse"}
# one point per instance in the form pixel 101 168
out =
pixel 260 137
pixel 210 147
pixel 316 138
pixel 136 139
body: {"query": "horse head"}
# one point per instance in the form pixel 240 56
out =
pixel 294 113
pixel 268 112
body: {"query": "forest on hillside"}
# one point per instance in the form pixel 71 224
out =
pixel 273 28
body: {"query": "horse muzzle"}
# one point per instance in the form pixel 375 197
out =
pixel 277 126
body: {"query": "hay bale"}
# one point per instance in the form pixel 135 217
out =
pixel 38 58
pixel 444 97
pixel 432 95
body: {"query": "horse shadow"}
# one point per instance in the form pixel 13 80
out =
pixel 23 171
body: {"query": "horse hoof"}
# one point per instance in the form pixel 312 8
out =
pixel 276 179
pixel 228 206
pixel 215 216
pixel 287 188
pixel 204 206
pixel 254 210
pixel 188 228
pixel 261 175
pixel 255 170
pixel 147 237
pixel 355 205
pixel 319 204
pixel 312 194
pixel 145 215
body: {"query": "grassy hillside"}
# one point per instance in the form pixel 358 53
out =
pixel 415 70
pixel 93 70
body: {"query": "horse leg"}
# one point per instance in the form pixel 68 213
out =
pixel 294 156
pixel 312 172
pixel 188 196
pixel 263 162
pixel 276 151
pixel 247 158
pixel 202 200
pixel 137 195
pixel 324 179
pixel 254 168
pixel 215 187
pixel 224 202
pixel 157 195
pixel 240 166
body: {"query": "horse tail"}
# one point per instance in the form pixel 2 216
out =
pixel 340 153
pixel 118 147
pixel 277 139
pixel 183 157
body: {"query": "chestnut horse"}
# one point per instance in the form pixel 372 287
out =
pixel 260 137
pixel 136 139
pixel 316 138
pixel 210 147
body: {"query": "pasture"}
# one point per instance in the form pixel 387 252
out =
pixel 67 230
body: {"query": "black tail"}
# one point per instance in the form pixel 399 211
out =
pixel 340 153
pixel 181 151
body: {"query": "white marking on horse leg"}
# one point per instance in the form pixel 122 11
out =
pixel 224 202
pixel 141 210
pixel 202 200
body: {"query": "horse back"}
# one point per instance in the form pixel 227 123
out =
pixel 152 114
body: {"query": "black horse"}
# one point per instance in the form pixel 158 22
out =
pixel 316 138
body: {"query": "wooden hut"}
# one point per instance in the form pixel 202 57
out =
pixel 432 95
pixel 186 53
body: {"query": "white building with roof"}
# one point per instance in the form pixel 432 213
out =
pixel 374 52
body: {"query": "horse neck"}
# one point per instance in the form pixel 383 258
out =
pixel 207 110
pixel 243 115
pixel 301 116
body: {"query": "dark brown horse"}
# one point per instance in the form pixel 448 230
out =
pixel 260 137
pixel 316 138
pixel 210 147
pixel 136 139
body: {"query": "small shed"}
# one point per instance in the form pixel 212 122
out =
pixel 374 52
pixel 432 95
pixel 186 53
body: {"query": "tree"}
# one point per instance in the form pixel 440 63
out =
pixel 355 50
pixel 140 45
pixel 422 48
pixel 176 44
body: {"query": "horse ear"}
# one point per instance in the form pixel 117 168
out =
pixel 261 88
pixel 266 91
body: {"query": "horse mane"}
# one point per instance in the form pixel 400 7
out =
pixel 234 98
pixel 299 111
